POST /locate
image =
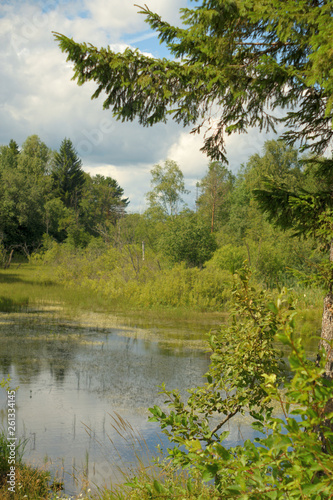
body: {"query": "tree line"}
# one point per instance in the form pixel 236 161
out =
pixel 45 192
pixel 45 196
pixel 236 65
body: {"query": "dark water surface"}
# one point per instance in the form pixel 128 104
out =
pixel 85 385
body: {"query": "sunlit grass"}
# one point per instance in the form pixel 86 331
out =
pixel 29 285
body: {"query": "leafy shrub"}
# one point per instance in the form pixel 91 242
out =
pixel 228 257
pixel 188 239
pixel 294 458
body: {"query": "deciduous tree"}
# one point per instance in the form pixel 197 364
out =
pixel 214 187
pixel 188 239
pixel 167 187
pixel 102 203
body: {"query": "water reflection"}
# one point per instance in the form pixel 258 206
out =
pixel 79 377
pixel 72 377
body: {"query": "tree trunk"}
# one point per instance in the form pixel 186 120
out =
pixel 7 264
pixel 213 218
pixel 326 340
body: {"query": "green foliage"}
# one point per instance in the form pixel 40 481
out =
pixel 140 488
pixel 126 279
pixel 215 189
pixel 34 158
pixel 3 254
pixel 55 213
pixel 67 175
pixel 242 355
pixel 102 204
pixel 137 228
pixel 278 161
pixel 42 192
pixel 228 257
pixel 5 453
pixel 233 61
pixel 168 186
pixel 9 156
pixel 187 239
pixel 293 459
pixel 190 288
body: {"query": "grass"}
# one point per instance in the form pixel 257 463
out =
pixel 30 483
pixel 145 481
pixel 31 284
pixel 28 285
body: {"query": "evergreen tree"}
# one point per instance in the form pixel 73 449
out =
pixel 235 61
pixel 67 174
pixel 308 212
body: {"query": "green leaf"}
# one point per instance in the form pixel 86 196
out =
pixel 189 485
pixel 272 307
pixel 222 452
pixel 210 472
pixel 159 487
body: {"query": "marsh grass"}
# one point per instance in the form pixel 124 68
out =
pixel 30 482
pixel 29 285
pixel 148 477
pixel 4 453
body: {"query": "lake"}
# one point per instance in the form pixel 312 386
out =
pixel 86 383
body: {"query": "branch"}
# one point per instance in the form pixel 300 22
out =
pixel 228 417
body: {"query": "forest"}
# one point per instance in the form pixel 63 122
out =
pixel 258 243
pixel 169 255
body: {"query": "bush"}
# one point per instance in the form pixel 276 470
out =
pixel 228 257
pixel 294 458
pixel 188 239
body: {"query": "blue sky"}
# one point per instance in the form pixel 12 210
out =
pixel 37 95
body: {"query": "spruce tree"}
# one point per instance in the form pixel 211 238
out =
pixel 309 212
pixel 235 62
pixel 67 174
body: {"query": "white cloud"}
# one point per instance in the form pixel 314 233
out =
pixel 121 17
pixel 37 95
pixel 135 182
pixel 186 152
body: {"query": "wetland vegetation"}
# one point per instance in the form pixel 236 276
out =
pixel 100 305
pixel 86 314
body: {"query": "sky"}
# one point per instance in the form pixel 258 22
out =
pixel 38 96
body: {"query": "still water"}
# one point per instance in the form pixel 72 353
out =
pixel 85 386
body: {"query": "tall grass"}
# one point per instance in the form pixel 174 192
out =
pixel 148 478
pixel 35 285
pixel 30 483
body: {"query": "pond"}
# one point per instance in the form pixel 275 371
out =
pixel 85 386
